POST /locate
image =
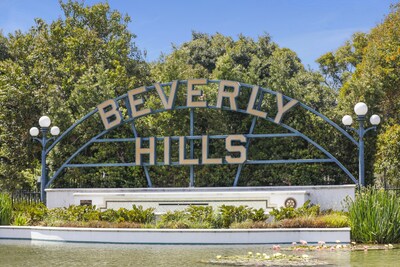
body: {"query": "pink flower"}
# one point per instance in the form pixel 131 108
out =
pixel 303 242
pixel 321 243
pixel 276 247
pixel 294 243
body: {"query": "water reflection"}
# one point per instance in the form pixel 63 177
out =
pixel 34 253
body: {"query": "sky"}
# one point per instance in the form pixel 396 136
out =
pixel 308 27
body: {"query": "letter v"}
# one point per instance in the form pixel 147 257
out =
pixel 168 103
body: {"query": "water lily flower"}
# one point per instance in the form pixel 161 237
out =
pixel 390 246
pixel 258 255
pixel 337 241
pixel 277 254
pixel 321 243
pixel 250 253
pixel 294 243
pixel 305 256
pixel 365 248
pixel 276 247
pixel 303 242
pixel 218 257
pixel 332 248
pixel 353 243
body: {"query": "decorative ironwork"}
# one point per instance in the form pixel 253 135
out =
pixel 252 109
pixel 290 202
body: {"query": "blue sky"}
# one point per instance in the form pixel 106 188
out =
pixel 309 27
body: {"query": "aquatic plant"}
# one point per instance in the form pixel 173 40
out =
pixel 374 216
pixel 5 209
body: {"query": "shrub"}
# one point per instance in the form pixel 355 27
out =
pixel 335 220
pixel 34 212
pixel 374 216
pixel 237 214
pixel 307 209
pixel 139 215
pixel 20 220
pixel 5 209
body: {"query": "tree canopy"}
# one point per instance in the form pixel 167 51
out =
pixel 67 67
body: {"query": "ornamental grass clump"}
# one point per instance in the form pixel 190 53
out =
pixel 5 209
pixel 374 216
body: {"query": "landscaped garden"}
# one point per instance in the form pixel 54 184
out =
pixel 374 217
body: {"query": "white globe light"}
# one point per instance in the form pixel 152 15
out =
pixel 347 120
pixel 375 119
pixel 55 130
pixel 34 131
pixel 44 121
pixel 361 109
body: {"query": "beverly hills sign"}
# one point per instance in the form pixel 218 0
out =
pixel 235 145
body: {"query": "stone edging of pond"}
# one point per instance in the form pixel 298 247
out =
pixel 176 236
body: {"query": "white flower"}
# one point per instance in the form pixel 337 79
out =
pixel 218 257
pixel 338 241
pixel 305 256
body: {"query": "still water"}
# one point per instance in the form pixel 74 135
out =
pixel 33 253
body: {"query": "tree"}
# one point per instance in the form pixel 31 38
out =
pixel 387 164
pixel 63 69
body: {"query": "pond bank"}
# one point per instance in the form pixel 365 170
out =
pixel 176 236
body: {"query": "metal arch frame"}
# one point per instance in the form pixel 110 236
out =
pixel 293 132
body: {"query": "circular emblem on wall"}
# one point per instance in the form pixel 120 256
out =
pixel 290 202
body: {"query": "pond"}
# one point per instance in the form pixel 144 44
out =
pixel 34 253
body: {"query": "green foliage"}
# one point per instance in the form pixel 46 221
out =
pixel 139 215
pixel 387 163
pixel 237 214
pixel 375 216
pixel 34 212
pixel 64 69
pixel 20 219
pixel 282 213
pixel 307 210
pixel 5 209
pixel 335 220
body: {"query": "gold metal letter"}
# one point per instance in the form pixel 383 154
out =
pixel 231 95
pixel 252 101
pixel 204 152
pixel 172 94
pixel 191 93
pixel 134 102
pixel 111 117
pixel 232 148
pixel 282 109
pixel 167 149
pixel 182 153
pixel 151 151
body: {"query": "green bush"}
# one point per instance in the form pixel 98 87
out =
pixel 307 209
pixel 139 215
pixel 335 220
pixel 234 214
pixel 34 212
pixel 20 219
pixel 5 209
pixel 374 216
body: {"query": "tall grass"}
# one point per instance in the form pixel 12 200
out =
pixel 5 209
pixel 375 216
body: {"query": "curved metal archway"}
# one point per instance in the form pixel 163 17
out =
pixel 292 132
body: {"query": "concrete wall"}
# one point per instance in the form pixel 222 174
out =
pixel 164 199
pixel 176 236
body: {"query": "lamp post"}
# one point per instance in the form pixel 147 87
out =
pixel 44 123
pixel 361 110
